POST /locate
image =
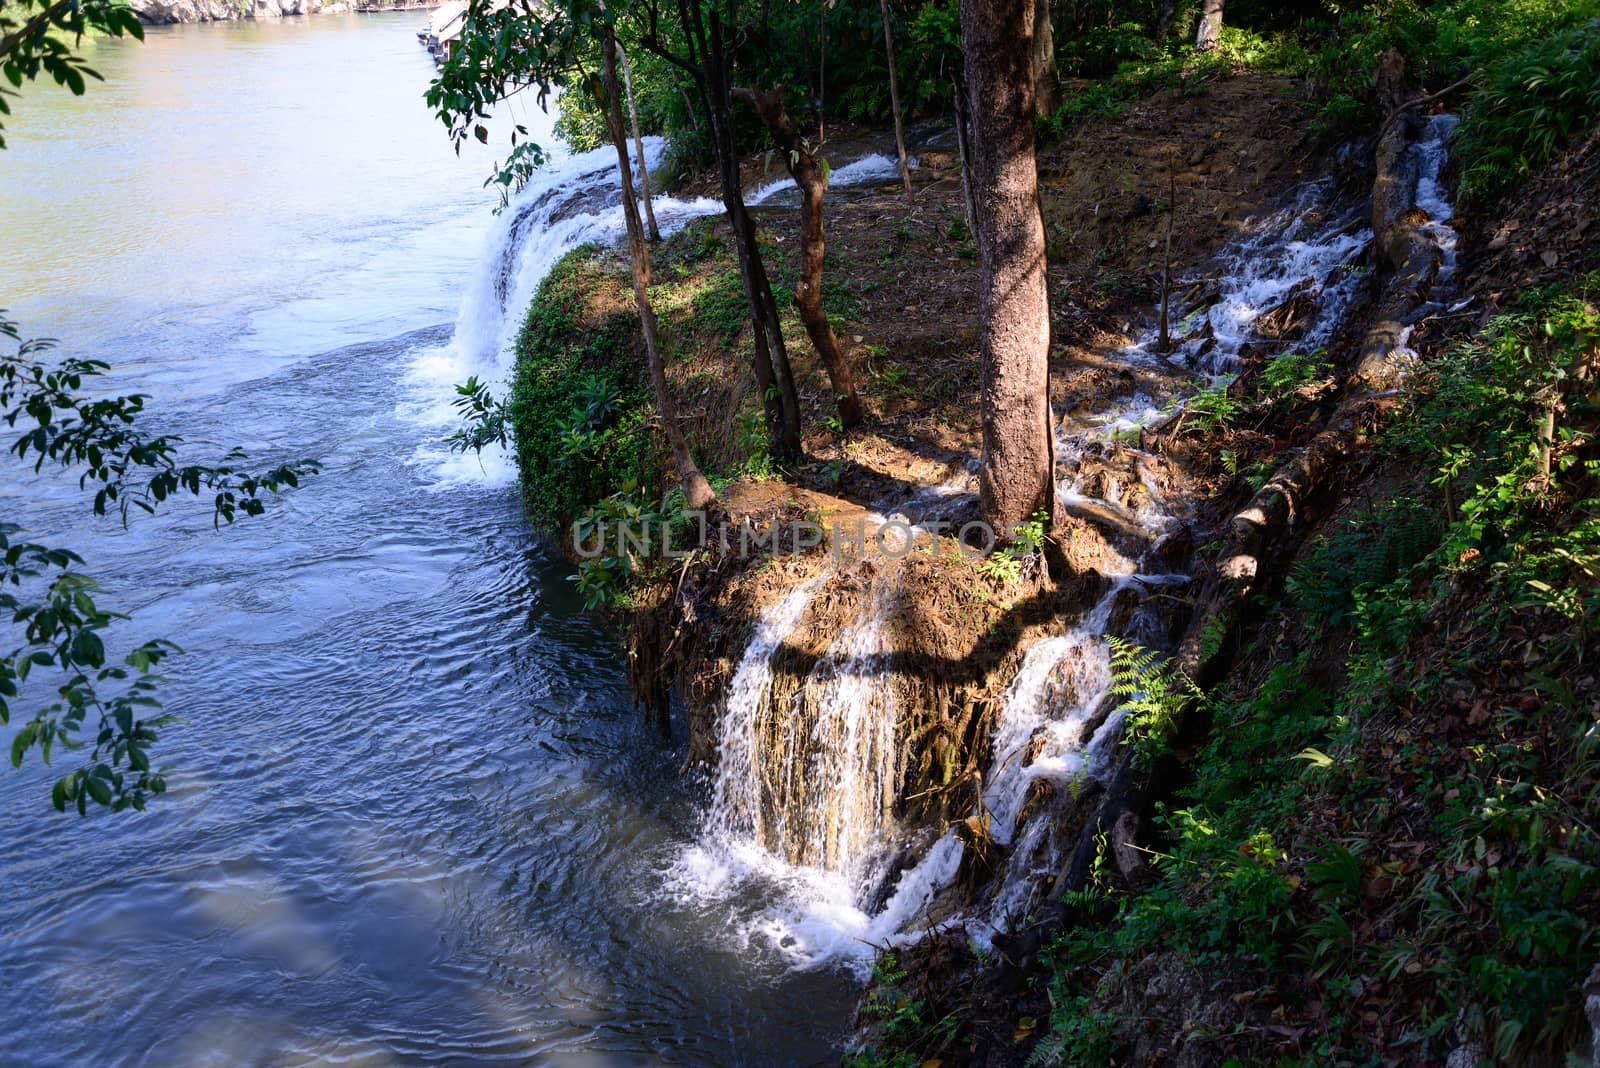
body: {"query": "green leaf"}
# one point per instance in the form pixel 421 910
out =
pixel 87 648
pixel 21 743
pixel 99 789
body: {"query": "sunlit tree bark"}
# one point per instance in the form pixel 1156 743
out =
pixel 1210 33
pixel 1015 477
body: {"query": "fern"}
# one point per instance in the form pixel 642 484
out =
pixel 1153 695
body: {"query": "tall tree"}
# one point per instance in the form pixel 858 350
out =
pixel 1016 475
pixel 638 141
pixel 813 182
pixel 696 490
pixel 706 55
pixel 1210 33
pixel 1046 86
pixel 894 99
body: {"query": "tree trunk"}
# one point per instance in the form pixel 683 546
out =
pixel 773 375
pixel 964 149
pixel 894 99
pixel 638 143
pixel 1046 86
pixel 1210 32
pixel 1016 474
pixel 706 58
pixel 808 176
pixel 1169 11
pixel 696 490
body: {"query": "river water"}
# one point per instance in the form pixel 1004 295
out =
pixel 414 818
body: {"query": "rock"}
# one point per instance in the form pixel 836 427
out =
pixel 1288 320
pixel 1114 520
pixel 1175 548
pixel 161 12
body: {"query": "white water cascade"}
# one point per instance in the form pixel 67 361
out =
pixel 1055 731
pixel 575 200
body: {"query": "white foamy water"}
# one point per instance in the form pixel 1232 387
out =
pixel 873 167
pixel 824 909
pixel 1432 197
pixel 575 200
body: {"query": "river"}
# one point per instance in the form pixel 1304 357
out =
pixel 414 818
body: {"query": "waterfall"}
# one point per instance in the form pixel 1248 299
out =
pixel 738 801
pixel 802 804
pixel 1434 148
pixel 574 200
pixel 1296 248
pixel 811 777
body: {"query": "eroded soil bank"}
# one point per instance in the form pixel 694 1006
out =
pixel 1192 487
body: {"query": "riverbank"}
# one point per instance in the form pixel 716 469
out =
pixel 937 730
pixel 167 12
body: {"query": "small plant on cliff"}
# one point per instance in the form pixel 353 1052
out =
pixel 1021 553
pixel 1153 695
pixel 483 418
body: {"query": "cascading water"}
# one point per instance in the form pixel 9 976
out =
pixel 573 201
pixel 1054 727
pixel 739 805
pixel 802 798
pixel 1434 148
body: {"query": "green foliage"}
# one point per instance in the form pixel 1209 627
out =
pixel 579 420
pixel 1020 554
pixel 1343 573
pixel 899 1018
pixel 485 69
pixel 1213 408
pixel 1489 921
pixel 483 418
pixel 1287 372
pixel 1138 67
pixel 1479 423
pixel 631 537
pixel 1153 696
pixel 43 36
pixel 1535 67
pixel 51 605
pixel 1533 101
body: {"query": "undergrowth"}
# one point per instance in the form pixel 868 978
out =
pixel 1385 847
pixel 579 419
pixel 1526 74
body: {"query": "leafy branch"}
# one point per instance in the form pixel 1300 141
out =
pixel 56 623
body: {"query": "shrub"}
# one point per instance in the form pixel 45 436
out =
pixel 1533 102
pixel 578 418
